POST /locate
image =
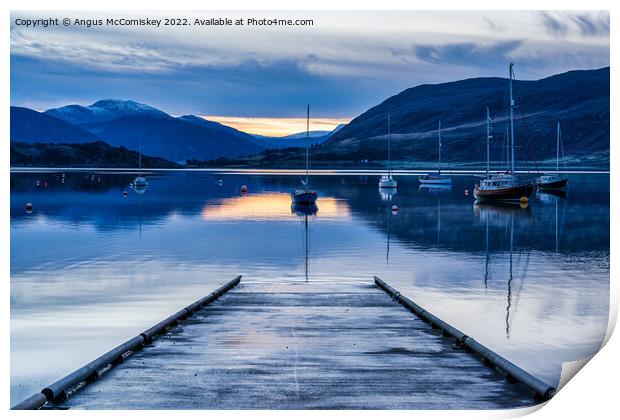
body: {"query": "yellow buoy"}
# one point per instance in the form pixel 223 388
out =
pixel 524 199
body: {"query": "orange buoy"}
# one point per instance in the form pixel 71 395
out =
pixel 394 209
pixel 125 193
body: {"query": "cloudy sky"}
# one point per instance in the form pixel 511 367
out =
pixel 343 64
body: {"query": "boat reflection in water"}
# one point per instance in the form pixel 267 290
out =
pixel 437 190
pixel 304 210
pixel 387 193
pixel 555 197
pixel 502 217
pixel 139 187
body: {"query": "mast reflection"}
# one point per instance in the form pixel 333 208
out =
pixel 304 211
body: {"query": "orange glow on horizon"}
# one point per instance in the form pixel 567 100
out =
pixel 269 206
pixel 277 127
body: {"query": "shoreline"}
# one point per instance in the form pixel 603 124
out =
pixel 292 171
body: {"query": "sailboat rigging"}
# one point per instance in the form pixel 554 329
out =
pixel 550 181
pixel 504 186
pixel 387 181
pixel 436 178
pixel 140 183
pixel 305 195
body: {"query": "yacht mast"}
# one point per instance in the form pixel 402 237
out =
pixel 439 168
pixel 307 142
pixel 557 153
pixel 512 127
pixel 488 140
pixel 389 146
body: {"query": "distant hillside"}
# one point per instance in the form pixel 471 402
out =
pixel 30 126
pixel 128 123
pixel 579 100
pixel 96 154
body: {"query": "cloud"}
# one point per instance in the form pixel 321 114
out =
pixel 346 63
pixel 553 25
pixel 592 25
pixel 494 26
pixel 467 53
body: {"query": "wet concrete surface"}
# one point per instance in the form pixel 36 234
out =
pixel 301 347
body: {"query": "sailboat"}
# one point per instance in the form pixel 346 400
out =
pixel 387 181
pixel 504 186
pixel 550 181
pixel 140 183
pixel 436 178
pixel 305 195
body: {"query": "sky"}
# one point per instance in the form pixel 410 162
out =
pixel 262 77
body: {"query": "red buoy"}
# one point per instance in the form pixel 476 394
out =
pixel 125 193
pixel 28 207
pixel 466 192
pixel 394 209
pixel 244 189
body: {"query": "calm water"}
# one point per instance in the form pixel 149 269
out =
pixel 91 268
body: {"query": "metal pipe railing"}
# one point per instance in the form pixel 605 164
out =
pixel 513 373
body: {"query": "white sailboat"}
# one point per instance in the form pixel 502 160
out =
pixel 387 181
pixel 436 178
pixel 140 183
pixel 556 180
pixel 305 195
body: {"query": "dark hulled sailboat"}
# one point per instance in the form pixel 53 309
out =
pixel 504 186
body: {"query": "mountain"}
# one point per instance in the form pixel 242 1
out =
pixel 131 124
pixel 579 100
pixel 30 126
pixel 103 110
pixel 297 139
pixel 217 127
pixel 95 154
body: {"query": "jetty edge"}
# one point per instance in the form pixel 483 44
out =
pixel 59 390
pixel 511 372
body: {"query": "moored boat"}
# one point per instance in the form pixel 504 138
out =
pixel 140 183
pixel 387 181
pixel 557 180
pixel 436 178
pixel 305 195
pixel 504 186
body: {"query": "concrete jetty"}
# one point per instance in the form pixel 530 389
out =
pixel 301 346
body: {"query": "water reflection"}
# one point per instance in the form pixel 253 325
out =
pixel 531 283
pixel 304 210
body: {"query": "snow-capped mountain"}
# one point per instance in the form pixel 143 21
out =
pixel 103 110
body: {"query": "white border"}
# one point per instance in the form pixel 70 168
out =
pixel 592 393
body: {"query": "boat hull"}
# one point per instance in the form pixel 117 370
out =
pixel 387 183
pixel 504 194
pixel 560 183
pixel 304 197
pixel 436 181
